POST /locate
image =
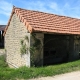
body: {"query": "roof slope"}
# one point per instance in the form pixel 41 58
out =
pixel 36 21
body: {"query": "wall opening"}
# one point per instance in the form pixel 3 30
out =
pixel 1 39
pixel 56 49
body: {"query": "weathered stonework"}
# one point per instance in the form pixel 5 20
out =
pixel 15 33
pixel 38 55
pixel 2 52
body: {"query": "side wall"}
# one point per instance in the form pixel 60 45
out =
pixel 71 51
pixel 2 52
pixel 15 33
pixel 37 55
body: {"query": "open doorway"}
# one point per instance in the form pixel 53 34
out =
pixel 2 28
pixel 56 48
pixel 1 39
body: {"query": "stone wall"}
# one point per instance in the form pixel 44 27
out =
pixel 38 55
pixel 15 33
pixel 2 52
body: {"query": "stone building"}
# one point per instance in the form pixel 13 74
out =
pixel 34 38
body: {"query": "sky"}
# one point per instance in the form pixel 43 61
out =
pixel 69 8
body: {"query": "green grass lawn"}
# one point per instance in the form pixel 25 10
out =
pixel 25 73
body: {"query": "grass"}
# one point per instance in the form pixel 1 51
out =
pixel 3 61
pixel 25 73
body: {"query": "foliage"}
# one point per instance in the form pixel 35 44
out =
pixel 22 42
pixel 24 47
pixel 25 73
pixel 3 61
pixel 36 43
pixel 34 48
pixel 26 38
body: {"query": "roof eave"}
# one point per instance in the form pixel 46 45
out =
pixel 29 28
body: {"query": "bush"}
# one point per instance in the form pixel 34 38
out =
pixel 3 61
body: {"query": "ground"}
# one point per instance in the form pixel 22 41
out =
pixel 67 76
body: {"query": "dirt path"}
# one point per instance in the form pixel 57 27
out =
pixel 68 76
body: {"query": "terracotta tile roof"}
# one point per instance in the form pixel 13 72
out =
pixel 36 21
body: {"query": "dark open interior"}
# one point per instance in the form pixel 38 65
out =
pixel 56 48
pixel 2 28
pixel 1 39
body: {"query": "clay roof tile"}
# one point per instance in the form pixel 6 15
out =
pixel 36 21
